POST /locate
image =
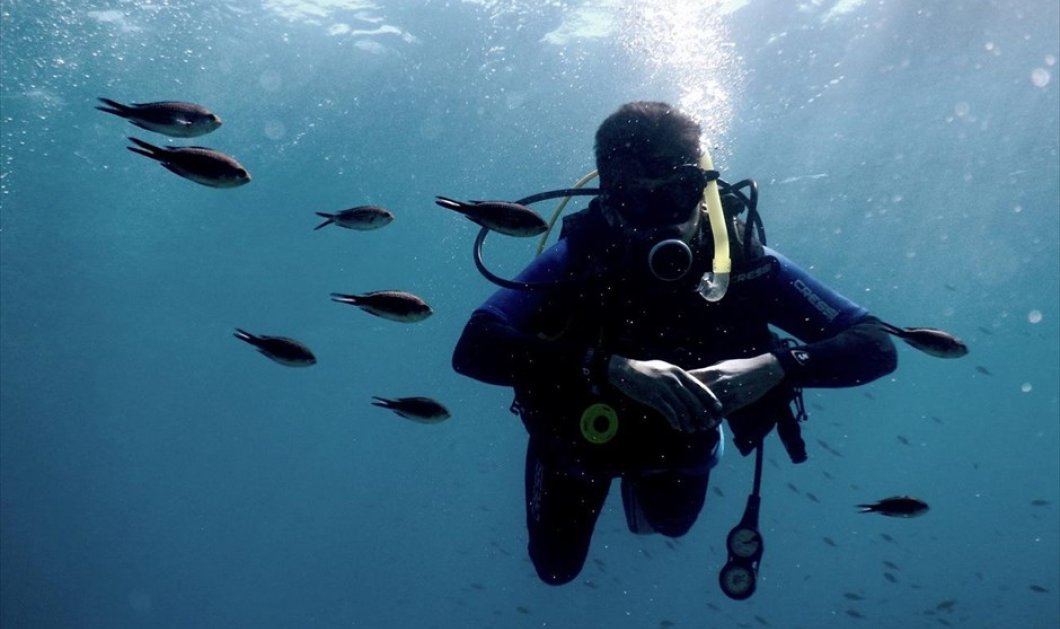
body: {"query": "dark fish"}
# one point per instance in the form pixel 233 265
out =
pixel 507 218
pixel 389 304
pixel 361 218
pixel 793 488
pixel 1039 589
pixel 903 440
pixel 830 542
pixel 933 341
pixel 897 507
pixel 279 348
pixel 812 497
pixel 983 370
pixel 890 577
pixel 201 165
pixel 172 118
pixel 887 538
pixel 851 596
pixel 418 409
pixel 946 605
pixel 1039 503
pixel 853 613
pixel 891 565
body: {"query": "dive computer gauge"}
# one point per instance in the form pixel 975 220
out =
pixel 744 542
pixel 739 577
pixel 737 581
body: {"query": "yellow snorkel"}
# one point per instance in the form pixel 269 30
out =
pixel 715 283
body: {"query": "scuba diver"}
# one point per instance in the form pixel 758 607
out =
pixel 627 344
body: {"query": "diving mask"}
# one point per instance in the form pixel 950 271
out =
pixel 670 199
pixel 657 215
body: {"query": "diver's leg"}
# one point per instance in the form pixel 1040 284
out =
pixel 667 502
pixel 562 505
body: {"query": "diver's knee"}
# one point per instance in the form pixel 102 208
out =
pixel 557 567
pixel 550 576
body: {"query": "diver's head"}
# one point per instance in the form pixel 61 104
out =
pixel 647 156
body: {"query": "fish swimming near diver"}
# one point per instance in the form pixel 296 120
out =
pixel 897 507
pixel 507 218
pixel 173 118
pixel 201 165
pixel 395 305
pixel 361 218
pixel 281 349
pixel 418 409
pixel 932 341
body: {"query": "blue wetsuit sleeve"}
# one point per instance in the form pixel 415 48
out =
pixel 505 341
pixel 844 345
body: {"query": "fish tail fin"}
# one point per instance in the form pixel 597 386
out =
pixel 330 217
pixel 343 298
pixel 382 402
pixel 146 149
pixel 866 508
pixel 113 107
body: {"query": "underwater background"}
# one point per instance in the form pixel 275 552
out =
pixel 156 472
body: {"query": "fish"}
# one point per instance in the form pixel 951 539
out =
pixel 931 341
pixel 1039 503
pixel 199 164
pixel 983 370
pixel 897 507
pixel 361 218
pixel 830 542
pixel 389 304
pixel 890 577
pixel 504 217
pixel 281 349
pixel 170 117
pixel 418 409
pixel 1039 589
pixel 852 596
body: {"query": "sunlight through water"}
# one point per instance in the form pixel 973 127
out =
pixel 686 43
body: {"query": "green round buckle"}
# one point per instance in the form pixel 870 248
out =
pixel 599 423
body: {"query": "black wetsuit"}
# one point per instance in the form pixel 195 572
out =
pixel 548 344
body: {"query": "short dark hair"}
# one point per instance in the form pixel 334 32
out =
pixel 645 134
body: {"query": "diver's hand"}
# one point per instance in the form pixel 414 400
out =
pixel 686 404
pixel 740 381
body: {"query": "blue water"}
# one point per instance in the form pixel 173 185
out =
pixel 158 473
